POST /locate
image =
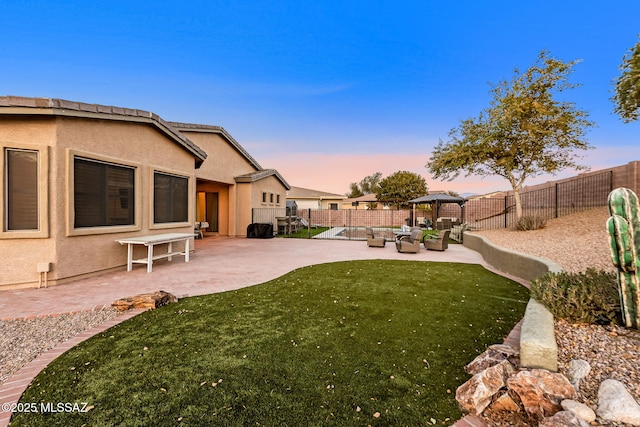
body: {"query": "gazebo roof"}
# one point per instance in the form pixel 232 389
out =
pixel 438 198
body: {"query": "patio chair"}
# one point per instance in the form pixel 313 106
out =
pixel 457 232
pixel 411 243
pixel 197 231
pixel 374 241
pixel 440 243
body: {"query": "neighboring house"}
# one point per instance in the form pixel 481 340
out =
pixel 77 177
pixel 314 199
pixel 368 201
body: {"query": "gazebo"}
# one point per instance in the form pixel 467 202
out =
pixel 436 200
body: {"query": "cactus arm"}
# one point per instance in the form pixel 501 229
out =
pixel 623 250
pixel 624 239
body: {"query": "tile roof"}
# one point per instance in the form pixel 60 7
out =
pixel 261 174
pixel 62 107
pixel 186 127
pixel 299 192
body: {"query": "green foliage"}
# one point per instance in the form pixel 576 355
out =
pixel 524 133
pixel 533 222
pixel 624 238
pixel 589 297
pixel 400 187
pixel 368 185
pixel 331 344
pixel 627 86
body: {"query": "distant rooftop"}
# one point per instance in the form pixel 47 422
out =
pixel 302 193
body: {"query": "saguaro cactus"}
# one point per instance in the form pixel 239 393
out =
pixel 624 236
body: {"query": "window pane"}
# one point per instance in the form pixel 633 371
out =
pixel 103 194
pixel 171 198
pixel 162 198
pixel 22 190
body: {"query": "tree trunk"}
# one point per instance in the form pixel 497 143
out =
pixel 516 198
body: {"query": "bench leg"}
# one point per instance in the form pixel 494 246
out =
pixel 186 250
pixel 149 258
pixel 129 256
pixel 170 250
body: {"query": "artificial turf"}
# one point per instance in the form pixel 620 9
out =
pixel 348 343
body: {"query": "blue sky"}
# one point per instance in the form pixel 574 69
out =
pixel 326 92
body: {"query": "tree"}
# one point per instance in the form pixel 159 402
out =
pixel 627 94
pixel 525 132
pixel 400 187
pixel 368 185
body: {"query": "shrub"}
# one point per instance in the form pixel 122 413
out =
pixel 589 297
pixel 534 222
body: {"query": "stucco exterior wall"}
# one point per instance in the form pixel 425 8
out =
pixel 77 252
pixel 242 217
pixel 223 162
pixel 31 247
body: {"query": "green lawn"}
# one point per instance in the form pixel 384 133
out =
pixel 349 343
pixel 304 233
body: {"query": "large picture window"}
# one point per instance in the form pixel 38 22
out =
pixel 21 190
pixel 103 193
pixel 170 198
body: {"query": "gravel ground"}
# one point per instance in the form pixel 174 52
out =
pixel 576 242
pixel 21 341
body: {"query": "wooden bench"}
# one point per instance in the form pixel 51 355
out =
pixel 150 242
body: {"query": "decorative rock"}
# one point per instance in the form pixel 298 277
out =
pixel 492 356
pixel 578 409
pixel 563 419
pixel 616 404
pixel 505 403
pixel 476 394
pixel 541 391
pixel 578 369
pixel 150 300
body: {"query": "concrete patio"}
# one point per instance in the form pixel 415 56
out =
pixel 218 264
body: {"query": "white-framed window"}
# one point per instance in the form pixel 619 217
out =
pixel 277 199
pixel 24 191
pixel 264 197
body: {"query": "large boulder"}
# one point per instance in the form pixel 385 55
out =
pixel 150 300
pixel 541 391
pixel 476 394
pixel 615 403
pixel 492 356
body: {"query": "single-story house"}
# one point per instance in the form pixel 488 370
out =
pixel 368 201
pixel 306 198
pixel 77 177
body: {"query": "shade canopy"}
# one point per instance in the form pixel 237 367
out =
pixel 438 198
